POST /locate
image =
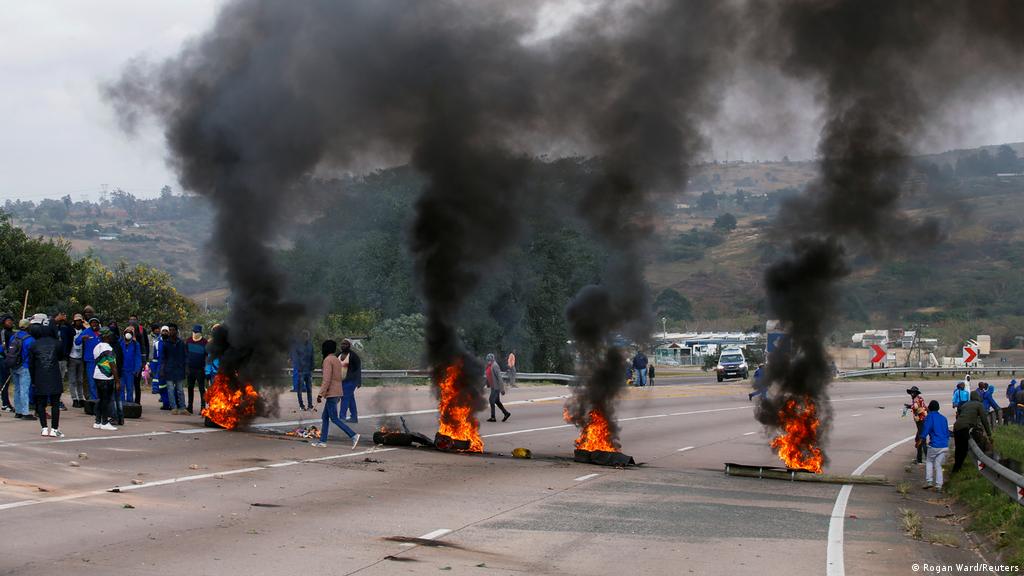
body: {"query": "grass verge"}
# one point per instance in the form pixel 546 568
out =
pixel 993 515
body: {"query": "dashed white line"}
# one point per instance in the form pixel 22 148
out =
pixel 435 534
pixel 855 415
pixel 584 478
pixel 749 433
pixel 181 479
pixel 685 449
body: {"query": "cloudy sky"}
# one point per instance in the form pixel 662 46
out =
pixel 58 137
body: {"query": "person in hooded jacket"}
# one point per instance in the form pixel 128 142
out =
pixel 88 339
pixel 971 417
pixel 131 366
pixel 989 403
pixel 1009 413
pixel 47 385
pixel 6 374
pixel 495 383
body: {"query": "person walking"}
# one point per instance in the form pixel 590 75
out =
pixel 992 408
pixel 353 380
pixel 105 376
pixel 16 358
pixel 493 381
pixel 131 354
pixel 76 365
pixel 196 368
pixel 173 361
pixel 44 360
pixel 919 412
pixel 301 356
pixel 640 368
pixel 511 363
pixel 760 384
pixel 961 395
pixel 331 391
pixel 970 418
pixel 7 332
pixel 88 339
pixel 934 432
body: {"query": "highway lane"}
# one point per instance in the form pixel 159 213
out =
pixel 546 515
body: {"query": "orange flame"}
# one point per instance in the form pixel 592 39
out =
pixel 229 401
pixel 456 420
pixel 596 435
pixel 797 446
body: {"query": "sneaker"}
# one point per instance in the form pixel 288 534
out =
pixel 352 421
pixel 45 432
pixel 96 425
pixel 63 407
pixel 492 419
pixel 108 426
pixel 315 444
pixel 7 409
pixel 507 416
pixel 56 433
pixel 355 441
pixel 928 486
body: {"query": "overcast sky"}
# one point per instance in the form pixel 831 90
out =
pixel 59 138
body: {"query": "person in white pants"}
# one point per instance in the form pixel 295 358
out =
pixel 936 431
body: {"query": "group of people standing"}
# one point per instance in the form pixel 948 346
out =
pixel 102 366
pixel 976 414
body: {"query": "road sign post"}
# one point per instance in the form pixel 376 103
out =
pixel 879 354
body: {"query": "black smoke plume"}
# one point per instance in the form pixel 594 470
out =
pixel 880 69
pixel 640 92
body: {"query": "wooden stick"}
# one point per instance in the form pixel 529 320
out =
pixel 24 308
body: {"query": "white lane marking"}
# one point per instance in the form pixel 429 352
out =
pixel 855 415
pixel 685 449
pixel 181 479
pixel 391 414
pixel 584 478
pixel 835 565
pixel 197 430
pixel 527 430
pixel 749 433
pixel 435 534
pixel 642 417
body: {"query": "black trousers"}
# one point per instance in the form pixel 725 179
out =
pixel 922 450
pixel 137 381
pixel 192 379
pixel 960 437
pixel 496 401
pixel 105 391
pixel 54 401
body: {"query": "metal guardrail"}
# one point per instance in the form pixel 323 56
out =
pixel 1000 476
pixel 422 374
pixel 998 371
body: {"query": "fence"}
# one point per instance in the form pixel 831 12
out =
pixel 998 371
pixel 1000 476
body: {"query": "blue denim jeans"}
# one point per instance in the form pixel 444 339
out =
pixel 174 393
pixel 303 382
pixel 641 377
pixel 22 383
pixel 330 414
pixel 348 400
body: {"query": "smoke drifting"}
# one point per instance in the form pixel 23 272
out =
pixel 640 93
pixel 876 65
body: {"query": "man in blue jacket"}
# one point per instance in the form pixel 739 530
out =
pixel 991 407
pixel 88 340
pixel 302 370
pixel 961 395
pixel 936 432
pixel 1009 415
pixel 22 376
pixel 173 362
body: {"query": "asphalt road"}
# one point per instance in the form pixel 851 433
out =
pixel 201 501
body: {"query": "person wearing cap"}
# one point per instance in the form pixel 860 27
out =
pixel 934 432
pixel 961 395
pixel 919 412
pixel 173 363
pixel 106 378
pixel 196 367
pixel 47 385
pixel 22 376
pixel 88 339
pixel 353 379
pixel 7 331
pixel 301 356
